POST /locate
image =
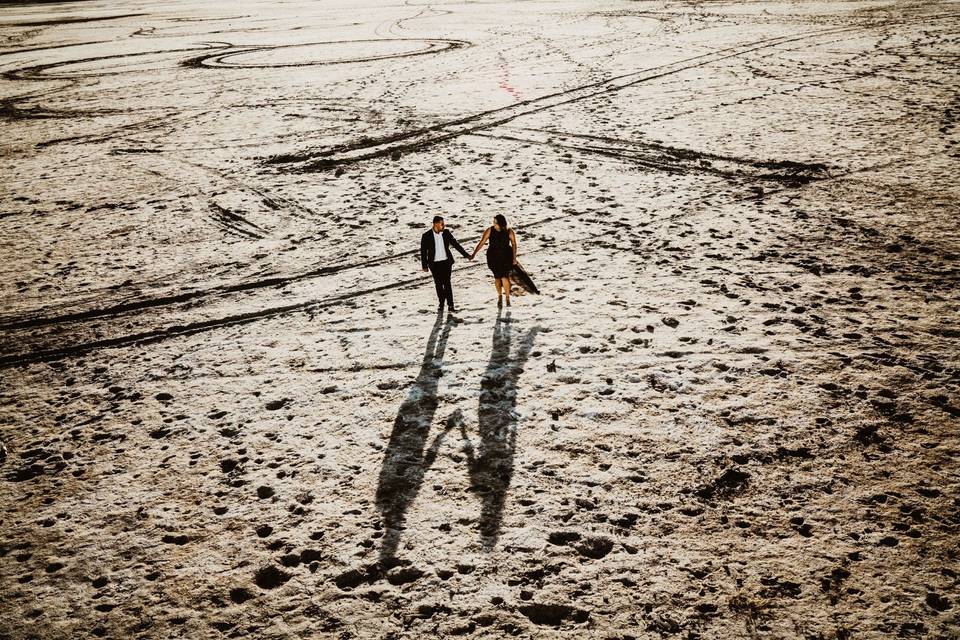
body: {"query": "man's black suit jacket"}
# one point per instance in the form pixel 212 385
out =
pixel 428 249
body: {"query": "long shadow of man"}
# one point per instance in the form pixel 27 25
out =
pixel 491 468
pixel 405 462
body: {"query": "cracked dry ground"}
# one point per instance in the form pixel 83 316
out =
pixel 228 409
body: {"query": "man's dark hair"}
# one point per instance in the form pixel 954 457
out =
pixel 437 219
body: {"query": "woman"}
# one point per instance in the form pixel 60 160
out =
pixel 501 255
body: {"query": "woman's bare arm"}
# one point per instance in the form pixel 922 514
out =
pixel 486 234
pixel 513 241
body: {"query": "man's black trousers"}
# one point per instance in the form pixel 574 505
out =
pixel 441 278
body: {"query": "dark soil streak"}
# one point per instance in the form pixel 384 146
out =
pixel 58 21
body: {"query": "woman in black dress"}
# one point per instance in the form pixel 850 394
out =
pixel 501 255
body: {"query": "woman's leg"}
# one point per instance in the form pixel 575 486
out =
pixel 506 288
pixel 496 282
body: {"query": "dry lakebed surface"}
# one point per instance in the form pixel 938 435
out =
pixel 229 408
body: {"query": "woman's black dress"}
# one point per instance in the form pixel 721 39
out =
pixel 499 253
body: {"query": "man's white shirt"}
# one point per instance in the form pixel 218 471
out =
pixel 440 255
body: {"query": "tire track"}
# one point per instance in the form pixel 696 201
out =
pixel 392 145
pixel 157 335
pixel 218 60
pixel 234 223
pixel 673 159
pixel 14 52
pixel 152 303
pixel 423 138
pixel 142 126
pixel 265 283
pixel 149 337
pixel 34 72
pixel 58 21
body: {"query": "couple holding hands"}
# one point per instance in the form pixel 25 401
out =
pixel 436 256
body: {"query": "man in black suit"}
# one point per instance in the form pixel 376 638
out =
pixel 435 255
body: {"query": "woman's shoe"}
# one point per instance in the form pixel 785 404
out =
pixel 508 302
pixel 499 301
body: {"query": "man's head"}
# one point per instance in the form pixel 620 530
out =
pixel 438 223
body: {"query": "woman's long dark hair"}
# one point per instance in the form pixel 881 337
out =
pixel 500 220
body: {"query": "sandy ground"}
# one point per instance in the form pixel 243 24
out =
pixel 227 404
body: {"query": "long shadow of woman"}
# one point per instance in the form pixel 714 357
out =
pixel 405 462
pixel 491 468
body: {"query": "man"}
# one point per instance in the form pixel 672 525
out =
pixel 436 256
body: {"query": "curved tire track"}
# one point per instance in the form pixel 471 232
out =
pixel 35 72
pixel 14 52
pixel 216 61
